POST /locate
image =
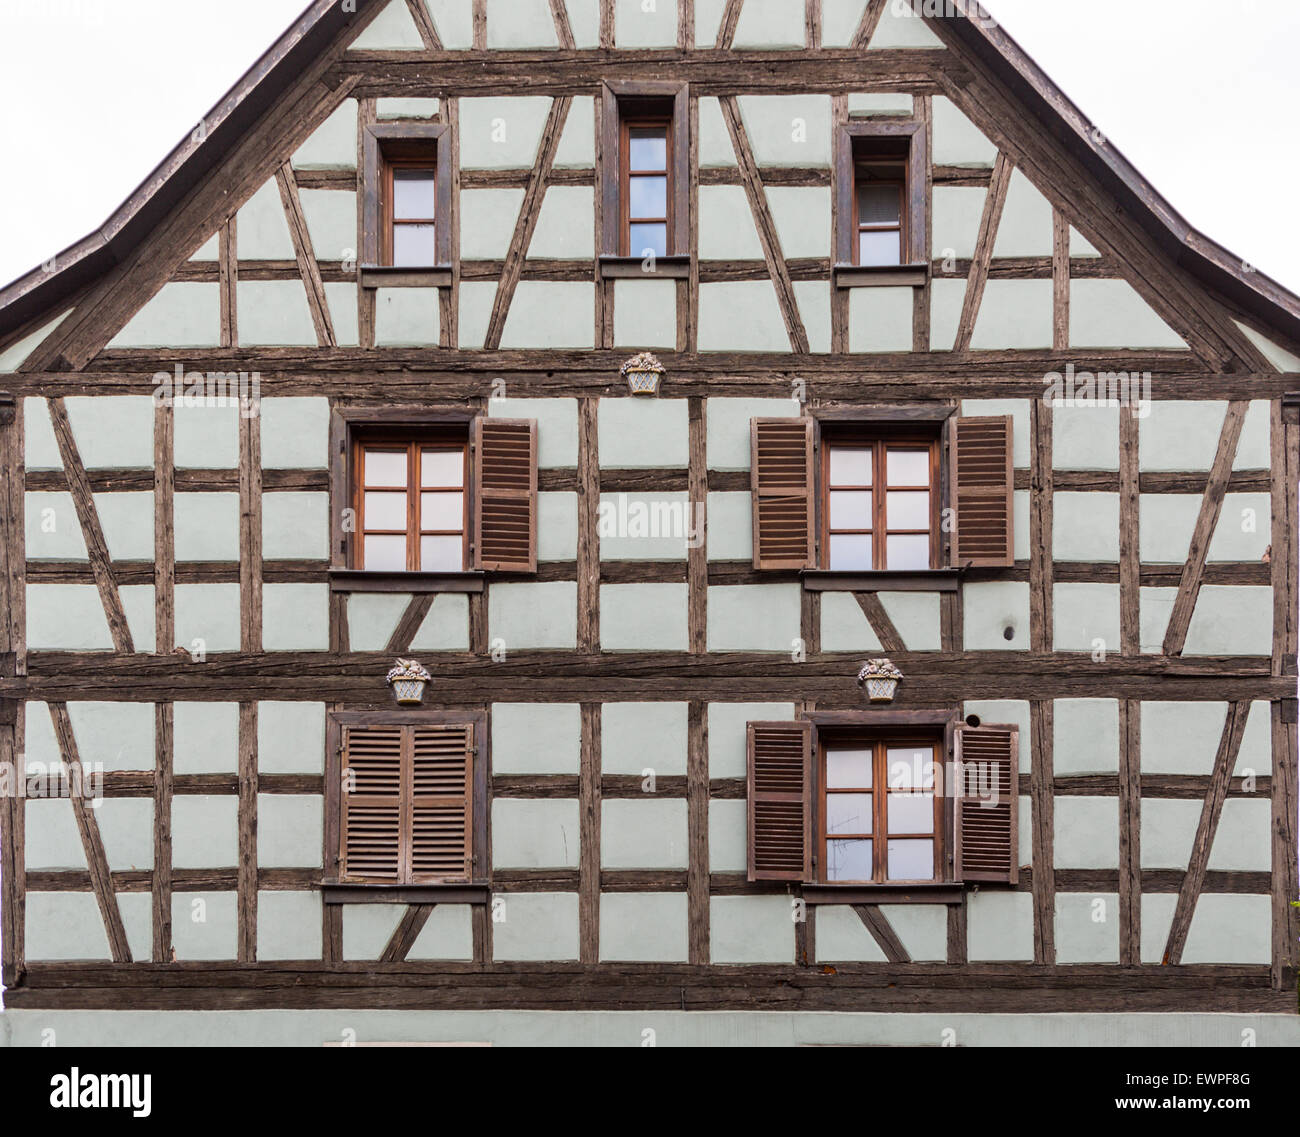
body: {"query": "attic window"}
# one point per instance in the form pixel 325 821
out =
pixel 407 203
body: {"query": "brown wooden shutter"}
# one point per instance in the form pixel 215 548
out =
pixel 372 803
pixel 442 846
pixel 780 806
pixel 505 494
pixel 987 797
pixel 781 478
pixel 983 486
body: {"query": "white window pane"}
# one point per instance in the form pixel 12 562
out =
pixel 385 468
pixel 907 509
pixel 847 767
pixel 385 554
pixel 907 467
pixel 907 553
pixel 646 239
pixel 850 509
pixel 442 511
pixel 850 466
pixel 848 860
pixel 414 245
pixel 910 767
pixel 849 813
pixel 850 552
pixel 385 511
pixel 878 203
pixel 911 813
pixel 878 247
pixel 648 149
pixel 648 197
pixel 415 194
pixel 911 860
pixel 441 554
pixel 442 468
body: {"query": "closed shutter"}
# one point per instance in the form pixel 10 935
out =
pixel 441 796
pixel 505 494
pixel 372 803
pixel 781 479
pixel 987 801
pixel 779 794
pixel 983 486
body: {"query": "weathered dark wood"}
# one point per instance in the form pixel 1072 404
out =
pixel 406 933
pixel 424 24
pixel 1060 281
pixel 250 532
pixel 589 809
pixel 1041 717
pixel 881 624
pixel 588 550
pixel 163 780
pixel 882 932
pixel 1003 168
pixel 867 25
pixel 727 26
pixel 247 819
pixel 306 255
pixel 228 279
pixel 1131 791
pixel 410 622
pixel 697 827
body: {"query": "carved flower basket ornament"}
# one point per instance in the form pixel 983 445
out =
pixel 879 677
pixel 408 679
pixel 642 373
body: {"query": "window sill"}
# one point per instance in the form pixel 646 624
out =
pixel 881 276
pixel 396 276
pixel 939 892
pixel 333 893
pixel 633 268
pixel 933 580
pixel 359 580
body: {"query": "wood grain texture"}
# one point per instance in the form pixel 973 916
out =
pixel 1130 832
pixel 589 809
pixel 697 827
pixel 697 557
pixel 727 26
pixel 888 635
pixel 250 532
pixel 1041 730
pixel 867 25
pixel 588 549
pixel 163 477
pixel 480 25
pixel 1060 281
pixel 1003 168
pixel 367 218
pixel 406 933
pixel 409 624
pixel 563 29
pixel 308 267
pixel 1041 577
pixel 922 297
pixel 876 922
pixel 1130 543
pixel 247 820
pixel 957 934
pixel 228 279
pixel 424 25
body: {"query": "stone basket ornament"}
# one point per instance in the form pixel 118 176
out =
pixel 408 679
pixel 642 373
pixel 880 679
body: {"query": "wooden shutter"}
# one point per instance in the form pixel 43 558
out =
pixel 781 478
pixel 982 492
pixel 505 494
pixel 780 805
pixel 442 762
pixel 372 803
pixel 987 801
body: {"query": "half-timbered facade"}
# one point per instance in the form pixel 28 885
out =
pixel 940 379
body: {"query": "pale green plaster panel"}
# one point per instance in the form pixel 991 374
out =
pixel 577 147
pixel 1256 753
pixel 137 602
pixel 727 733
pixel 988 609
pixel 1245 529
pixel 870 104
pixel 1027 223
pixel 295 617
pixel 946 300
pixel 205 925
pixel 1086 832
pixel 114 736
pixel 295 525
pixel 922 928
pixel 727 427
pixel 557 526
pixel 643 617
pixel 716 149
pixel 53 530
pixel 1168 830
pixel 557 427
pixel 1014 314
pixel 754 617
pixel 644 526
pixel 1253 446
pixel 341 300
pixel 956 220
pixel 114 431
pixel 1086 617
pixel 1110 313
pixel 840 19
pixel 1182 738
pixel 843 938
pixel 137 920
pixel 1230 929
pixel 1086 437
pixel 407 317
pixel 643 433
pixel 1085 526
pixel 1157 919
pixel 64 925
pixel 1020 502
pixel 536 925
pixel 454 20
pixel 708 19
pixel 180 314
pixel 880 319
pixel 333 144
pixel 534 834
pixel 1086 736
pixel 1242 843
pixel 500 133
pixel 372 618
pixel 207 527
pixel 1180 435
pixel 727 229
pixel 206 438
pixel 205 738
pixel 916 616
pixel 741 315
pixel 813 299
pixel 515 25
pixel 899 27
pixel 728 832
pixel 536 738
pixel 261 231
pixel 1165 526
pixel 295 433
pixel 788 130
pixel 52 840
pixel 768 25
pixel 288 925
pixel 566 224
pixel 40 450
pixel 1282 359
pixel 550 314
pixel 1087 927
pixel 1080 246
pixel 331 217
pixel 730 526
pixel 637 24
pixel 16 353
pixel 274 313
pixel 1010 712
pixel 66 617
pixel 649 834
pixel 584 19
pixel 645 313
pixel 205 830
pixel 1000 926
pixel 636 737
pixel 406 108
pixel 533 614
pixel 290 829
pixel 488 220
pixel 367 928
pixel 957 140
pixel 1156 605
pixel 392 30
pixel 1231 620
pixel 446 627
pixel 447 934
pixel 750 929
pixel 290 738
pixel 645 927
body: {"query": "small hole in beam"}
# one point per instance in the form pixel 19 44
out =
pixel 972 720
pixel 1008 633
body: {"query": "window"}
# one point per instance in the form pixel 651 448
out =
pixel 879 211
pixel 407 196
pixel 645 156
pixel 881 169
pixel 411 213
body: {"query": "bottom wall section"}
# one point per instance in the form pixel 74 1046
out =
pixel 632 1028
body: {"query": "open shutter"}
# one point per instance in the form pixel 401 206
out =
pixel 505 494
pixel 779 795
pixel 987 801
pixel 781 478
pixel 441 799
pixel 983 484
pixel 372 803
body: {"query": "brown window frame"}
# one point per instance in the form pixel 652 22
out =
pixel 901 228
pixel 626 220
pixel 394 145
pixel 895 140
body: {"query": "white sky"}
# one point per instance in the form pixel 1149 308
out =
pixel 93 93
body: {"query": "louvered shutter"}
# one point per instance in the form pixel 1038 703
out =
pixel 372 803
pixel 987 803
pixel 779 795
pixel 505 494
pixel 983 485
pixel 441 802
pixel 781 479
